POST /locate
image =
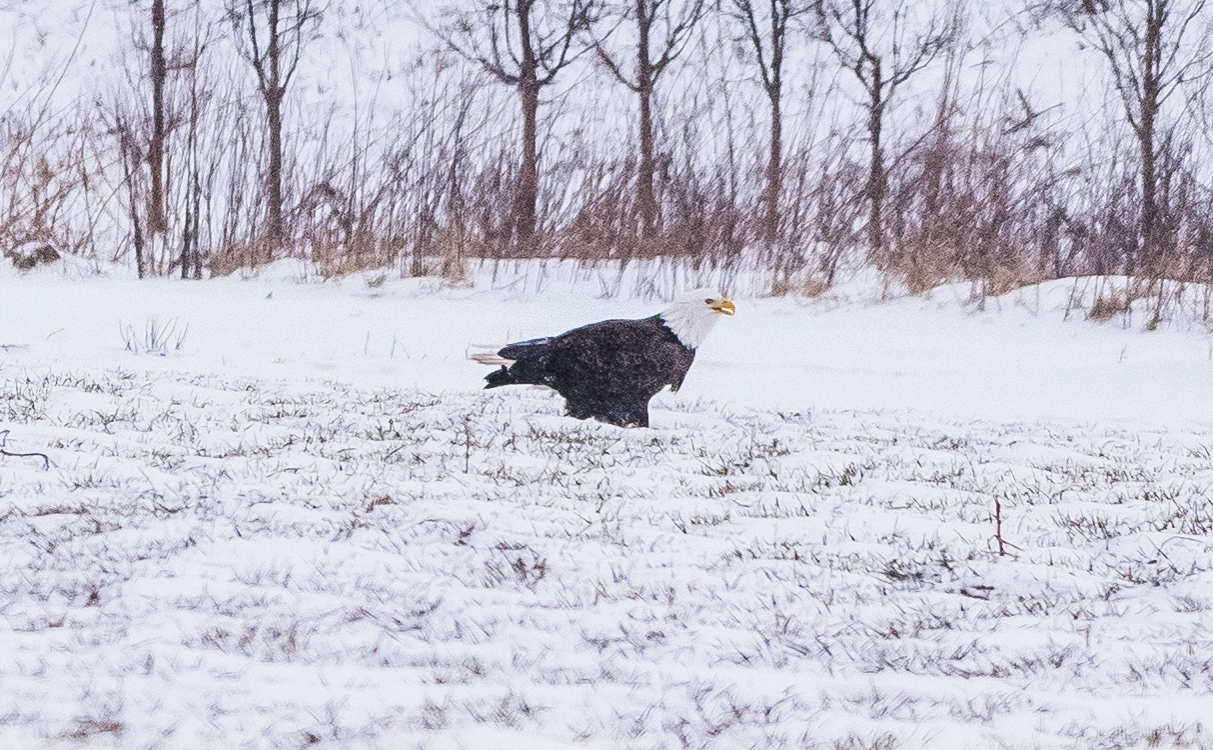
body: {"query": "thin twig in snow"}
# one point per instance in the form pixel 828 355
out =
pixel 46 461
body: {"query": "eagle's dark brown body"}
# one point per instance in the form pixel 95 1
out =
pixel 607 371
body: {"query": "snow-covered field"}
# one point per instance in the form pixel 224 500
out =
pixel 308 526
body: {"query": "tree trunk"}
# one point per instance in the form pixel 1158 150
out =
pixel 527 195
pixel 276 233
pixel 130 163
pixel 774 168
pixel 876 172
pixel 189 234
pixel 190 253
pixel 273 94
pixel 155 156
pixel 187 239
pixel 1151 255
pixel 645 201
pixel 774 87
pixel 528 178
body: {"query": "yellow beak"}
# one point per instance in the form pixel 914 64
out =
pixel 724 307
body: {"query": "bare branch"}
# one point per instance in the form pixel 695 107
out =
pixel 46 461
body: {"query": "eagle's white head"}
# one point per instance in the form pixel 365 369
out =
pixel 692 314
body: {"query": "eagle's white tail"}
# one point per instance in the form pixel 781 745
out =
pixel 490 358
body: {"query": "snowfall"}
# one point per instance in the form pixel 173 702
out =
pixel 278 511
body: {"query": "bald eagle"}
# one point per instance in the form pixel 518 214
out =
pixel 609 370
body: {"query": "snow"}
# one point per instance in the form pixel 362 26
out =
pixel 307 524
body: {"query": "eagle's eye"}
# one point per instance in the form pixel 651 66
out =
pixel 708 301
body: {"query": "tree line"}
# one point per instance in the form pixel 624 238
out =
pixel 798 137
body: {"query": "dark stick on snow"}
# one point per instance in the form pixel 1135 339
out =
pixel 46 461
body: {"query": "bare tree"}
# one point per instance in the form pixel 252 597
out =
pixel 1152 48
pixel 674 21
pixel 524 44
pixel 766 29
pixel 884 45
pixel 131 159
pixel 144 133
pixel 275 45
pixel 191 252
pixel 156 222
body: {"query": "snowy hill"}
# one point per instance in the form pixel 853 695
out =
pixel 308 525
